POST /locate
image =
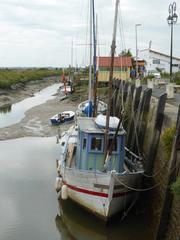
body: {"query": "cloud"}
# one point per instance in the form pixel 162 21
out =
pixel 40 32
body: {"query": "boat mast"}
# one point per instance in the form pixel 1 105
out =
pixel 90 53
pixel 94 60
pixel 113 47
pixel 72 72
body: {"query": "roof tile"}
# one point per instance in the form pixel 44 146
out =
pixel 123 61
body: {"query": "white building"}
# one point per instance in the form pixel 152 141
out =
pixel 158 60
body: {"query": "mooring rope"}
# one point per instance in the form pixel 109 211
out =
pixel 136 189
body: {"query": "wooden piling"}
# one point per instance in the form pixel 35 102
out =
pixel 130 129
pixel 140 122
pixel 174 168
pixel 149 164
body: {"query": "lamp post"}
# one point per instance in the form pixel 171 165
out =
pixel 137 25
pixel 172 19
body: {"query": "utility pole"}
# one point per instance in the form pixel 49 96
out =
pixel 137 25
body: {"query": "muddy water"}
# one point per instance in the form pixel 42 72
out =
pixel 29 208
pixel 13 114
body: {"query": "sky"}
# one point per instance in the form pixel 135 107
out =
pixel 39 33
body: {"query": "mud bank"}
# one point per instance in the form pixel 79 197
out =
pixel 36 121
pixel 22 91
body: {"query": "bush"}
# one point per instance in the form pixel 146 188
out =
pixel 167 139
pixel 177 78
pixel 10 77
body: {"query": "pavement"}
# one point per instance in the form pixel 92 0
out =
pixel 158 91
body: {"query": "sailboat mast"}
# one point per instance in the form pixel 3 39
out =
pixel 113 47
pixel 94 61
pixel 90 53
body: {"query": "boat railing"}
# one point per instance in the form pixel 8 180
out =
pixel 135 156
pixel 133 161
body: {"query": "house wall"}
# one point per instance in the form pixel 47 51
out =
pixel 152 59
pixel 103 76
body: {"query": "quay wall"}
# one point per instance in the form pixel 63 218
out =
pixel 146 121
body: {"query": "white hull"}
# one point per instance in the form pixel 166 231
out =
pixel 101 107
pixel 102 194
pixel 67 90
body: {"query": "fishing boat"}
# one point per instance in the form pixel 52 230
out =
pixel 62 117
pixel 95 169
pixel 102 187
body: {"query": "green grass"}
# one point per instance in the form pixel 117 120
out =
pixel 11 77
pixel 167 139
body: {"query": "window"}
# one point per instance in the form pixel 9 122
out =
pixel 114 146
pixel 84 143
pixel 156 61
pixel 96 144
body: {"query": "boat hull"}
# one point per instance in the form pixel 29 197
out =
pixel 68 116
pixel 102 194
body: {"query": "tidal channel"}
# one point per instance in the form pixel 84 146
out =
pixel 14 114
pixel 29 206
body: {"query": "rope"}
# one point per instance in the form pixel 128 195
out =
pixel 136 189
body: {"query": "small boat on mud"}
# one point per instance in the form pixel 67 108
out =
pixel 67 90
pixel 83 108
pixel 62 117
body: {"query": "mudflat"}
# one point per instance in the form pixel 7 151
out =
pixel 36 121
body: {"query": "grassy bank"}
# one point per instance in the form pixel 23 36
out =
pixel 10 77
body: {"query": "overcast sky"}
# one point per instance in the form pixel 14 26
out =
pixel 40 32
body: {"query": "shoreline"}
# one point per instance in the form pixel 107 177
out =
pixel 36 120
pixel 12 96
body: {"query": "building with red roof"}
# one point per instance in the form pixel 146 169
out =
pixel 122 67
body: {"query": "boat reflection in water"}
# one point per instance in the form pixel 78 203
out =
pixel 74 222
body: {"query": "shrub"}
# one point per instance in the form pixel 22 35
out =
pixel 167 138
pixel 10 77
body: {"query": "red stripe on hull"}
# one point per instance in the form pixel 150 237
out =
pixel 99 194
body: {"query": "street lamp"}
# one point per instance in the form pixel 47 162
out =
pixel 172 19
pixel 137 25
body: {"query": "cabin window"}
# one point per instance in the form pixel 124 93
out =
pixel 114 146
pixel 84 143
pixel 96 144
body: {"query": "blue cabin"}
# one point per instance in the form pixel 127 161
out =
pixel 91 147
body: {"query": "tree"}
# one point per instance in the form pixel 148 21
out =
pixel 126 53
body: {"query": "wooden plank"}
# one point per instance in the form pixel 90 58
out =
pixel 69 157
pixel 174 168
pixel 136 100
pixel 140 122
pixel 149 164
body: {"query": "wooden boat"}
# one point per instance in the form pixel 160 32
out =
pixel 102 187
pixel 95 169
pixel 62 117
pixel 66 90
pixel 82 108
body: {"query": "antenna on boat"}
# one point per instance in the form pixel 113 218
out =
pixel 113 47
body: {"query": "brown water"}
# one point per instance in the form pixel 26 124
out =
pixel 29 208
